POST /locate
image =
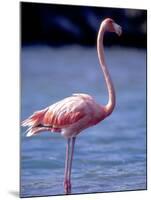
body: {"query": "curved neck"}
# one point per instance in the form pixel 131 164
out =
pixel 111 92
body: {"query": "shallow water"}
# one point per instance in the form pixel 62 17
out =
pixel 108 157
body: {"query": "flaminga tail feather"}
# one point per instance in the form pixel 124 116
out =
pixel 29 133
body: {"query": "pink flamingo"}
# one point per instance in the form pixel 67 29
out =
pixel 75 113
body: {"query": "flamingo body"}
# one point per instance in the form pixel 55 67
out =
pixel 69 116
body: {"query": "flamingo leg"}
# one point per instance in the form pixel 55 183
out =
pixel 70 160
pixel 66 181
pixel 68 165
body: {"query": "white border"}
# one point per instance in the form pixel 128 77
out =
pixel 9 100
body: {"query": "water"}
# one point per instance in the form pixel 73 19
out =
pixel 108 157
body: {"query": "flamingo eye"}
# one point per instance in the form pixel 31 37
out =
pixel 111 21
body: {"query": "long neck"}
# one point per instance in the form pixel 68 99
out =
pixel 111 92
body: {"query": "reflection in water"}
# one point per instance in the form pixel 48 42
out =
pixel 108 157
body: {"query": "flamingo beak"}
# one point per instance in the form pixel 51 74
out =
pixel 118 29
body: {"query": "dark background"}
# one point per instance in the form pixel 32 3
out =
pixel 58 25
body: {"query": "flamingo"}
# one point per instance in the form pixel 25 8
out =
pixel 73 114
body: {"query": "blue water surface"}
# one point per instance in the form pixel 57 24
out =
pixel 108 157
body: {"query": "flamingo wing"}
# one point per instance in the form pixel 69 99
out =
pixel 65 112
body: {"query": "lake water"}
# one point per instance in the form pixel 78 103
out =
pixel 108 157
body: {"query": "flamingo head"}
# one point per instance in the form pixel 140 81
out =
pixel 111 26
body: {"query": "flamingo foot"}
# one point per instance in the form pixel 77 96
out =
pixel 67 187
